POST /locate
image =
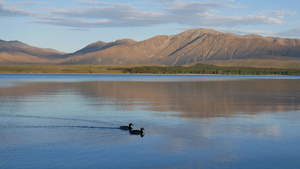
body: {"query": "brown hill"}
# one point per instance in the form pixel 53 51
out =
pixel 15 52
pixel 189 47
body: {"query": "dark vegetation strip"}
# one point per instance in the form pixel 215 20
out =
pixel 209 69
pixel 105 69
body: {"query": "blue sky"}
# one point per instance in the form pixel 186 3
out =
pixel 69 25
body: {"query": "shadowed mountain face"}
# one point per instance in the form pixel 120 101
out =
pixel 189 47
pixel 98 46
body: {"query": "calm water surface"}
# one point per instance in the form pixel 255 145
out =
pixel 190 121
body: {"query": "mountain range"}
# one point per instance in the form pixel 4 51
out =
pixel 186 48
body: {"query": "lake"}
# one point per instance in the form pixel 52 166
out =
pixel 190 121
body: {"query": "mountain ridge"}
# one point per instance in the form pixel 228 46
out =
pixel 188 47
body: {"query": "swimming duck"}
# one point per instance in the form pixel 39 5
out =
pixel 141 131
pixel 126 127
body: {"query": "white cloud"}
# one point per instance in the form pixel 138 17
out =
pixel 12 12
pixel 73 22
pixel 32 3
pixel 100 3
pixel 279 14
pixel 106 14
pixel 230 30
pixel 196 6
pixel 207 19
pixel 96 14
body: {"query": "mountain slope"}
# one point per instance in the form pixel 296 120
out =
pixel 15 52
pixel 190 47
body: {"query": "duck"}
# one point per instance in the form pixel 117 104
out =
pixel 126 127
pixel 137 132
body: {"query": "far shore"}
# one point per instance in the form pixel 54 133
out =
pixel 197 69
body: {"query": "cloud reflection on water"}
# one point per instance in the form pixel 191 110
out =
pixel 209 140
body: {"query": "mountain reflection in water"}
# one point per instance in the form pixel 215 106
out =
pixel 72 121
pixel 205 99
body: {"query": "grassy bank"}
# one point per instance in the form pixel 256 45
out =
pixel 103 69
pixel 100 69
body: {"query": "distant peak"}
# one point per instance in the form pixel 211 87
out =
pixel 98 43
pixel 17 43
pixel 202 30
pixel 199 32
pixel 12 42
pixel 124 41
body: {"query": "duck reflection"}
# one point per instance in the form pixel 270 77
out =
pixel 137 132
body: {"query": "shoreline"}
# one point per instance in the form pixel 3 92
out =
pixel 144 74
pixel 198 69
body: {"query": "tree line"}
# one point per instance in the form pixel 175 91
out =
pixel 210 69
